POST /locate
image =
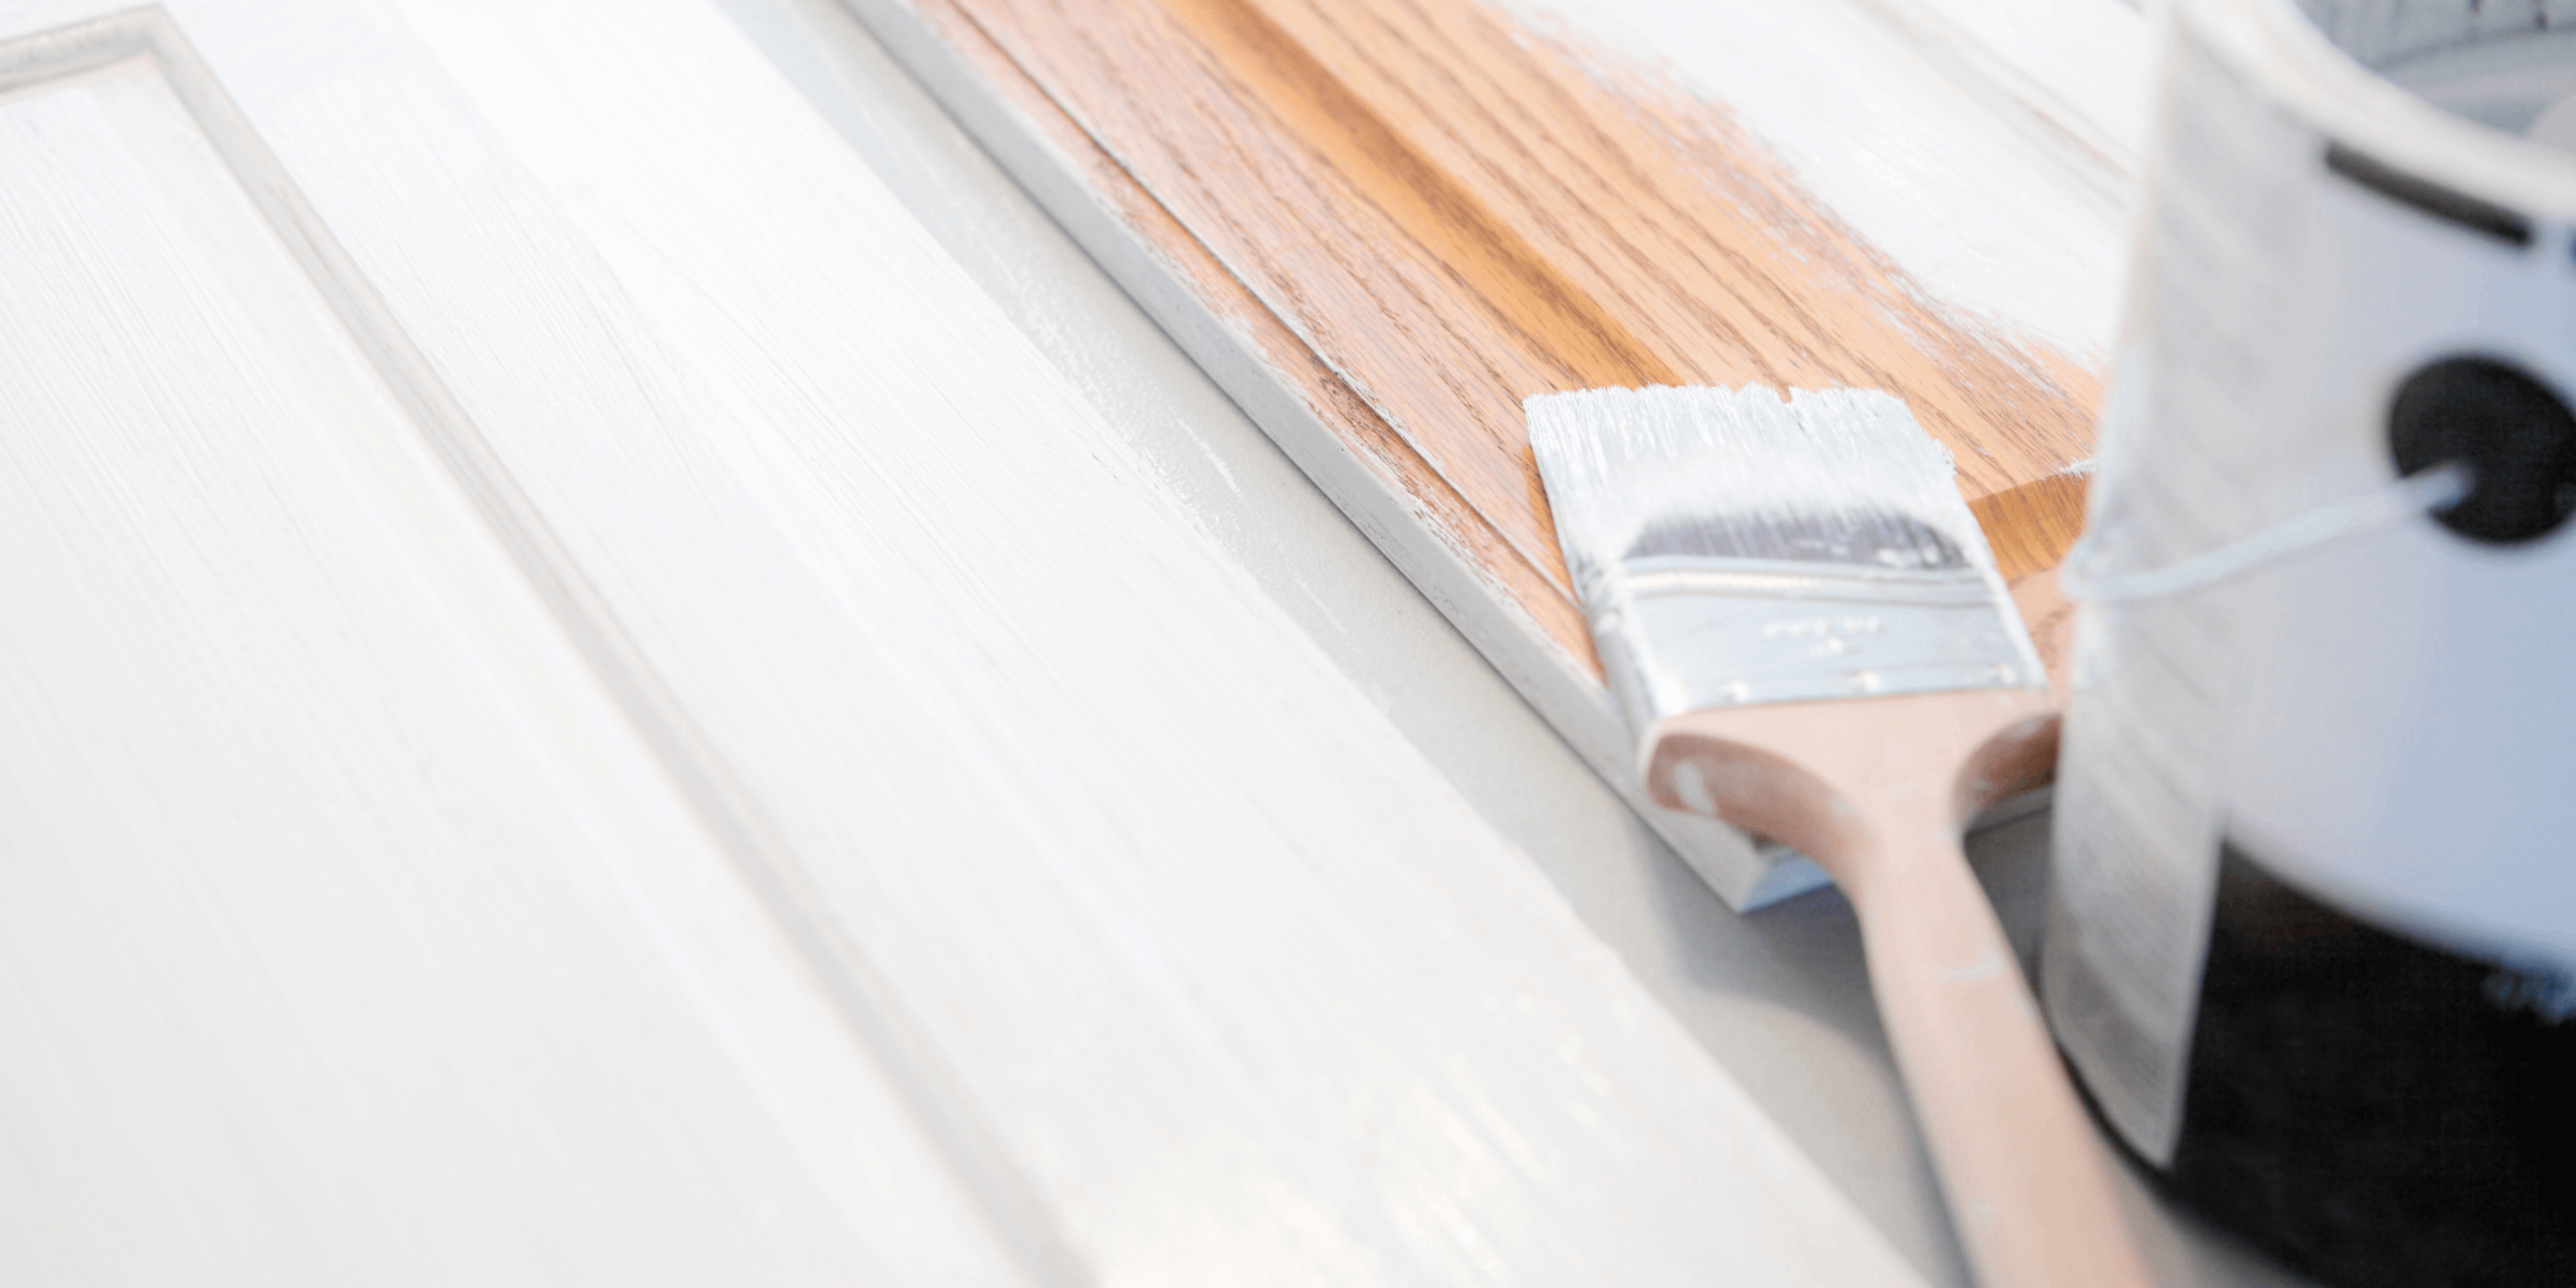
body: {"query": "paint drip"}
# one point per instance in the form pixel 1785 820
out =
pixel 2313 924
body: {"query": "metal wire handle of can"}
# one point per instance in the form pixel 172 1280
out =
pixel 2425 491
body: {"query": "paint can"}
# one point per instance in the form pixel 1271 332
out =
pixel 2312 937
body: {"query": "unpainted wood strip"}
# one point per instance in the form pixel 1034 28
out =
pixel 1288 360
pixel 1669 218
pixel 1431 353
pixel 1455 213
pixel 2031 526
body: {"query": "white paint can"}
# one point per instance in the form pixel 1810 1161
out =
pixel 2312 948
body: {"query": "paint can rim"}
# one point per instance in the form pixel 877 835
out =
pixel 2285 54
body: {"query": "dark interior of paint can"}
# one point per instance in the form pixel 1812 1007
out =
pixel 2375 1111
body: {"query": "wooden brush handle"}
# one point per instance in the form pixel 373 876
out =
pixel 1877 791
pixel 2021 1166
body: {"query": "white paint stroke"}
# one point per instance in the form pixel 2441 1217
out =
pixel 1985 152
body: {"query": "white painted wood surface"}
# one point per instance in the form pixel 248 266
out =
pixel 630 728
pixel 346 933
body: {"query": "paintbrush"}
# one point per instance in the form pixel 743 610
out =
pixel 1804 627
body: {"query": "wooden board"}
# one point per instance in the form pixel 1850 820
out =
pixel 1382 225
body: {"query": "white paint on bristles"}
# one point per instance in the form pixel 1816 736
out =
pixel 1731 546
pixel 1619 462
pixel 629 729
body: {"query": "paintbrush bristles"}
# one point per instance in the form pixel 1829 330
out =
pixel 1731 548
pixel 1833 476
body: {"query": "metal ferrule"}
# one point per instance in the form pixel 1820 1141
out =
pixel 1684 633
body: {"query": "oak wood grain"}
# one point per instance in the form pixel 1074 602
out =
pixel 1289 360
pixel 1448 212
